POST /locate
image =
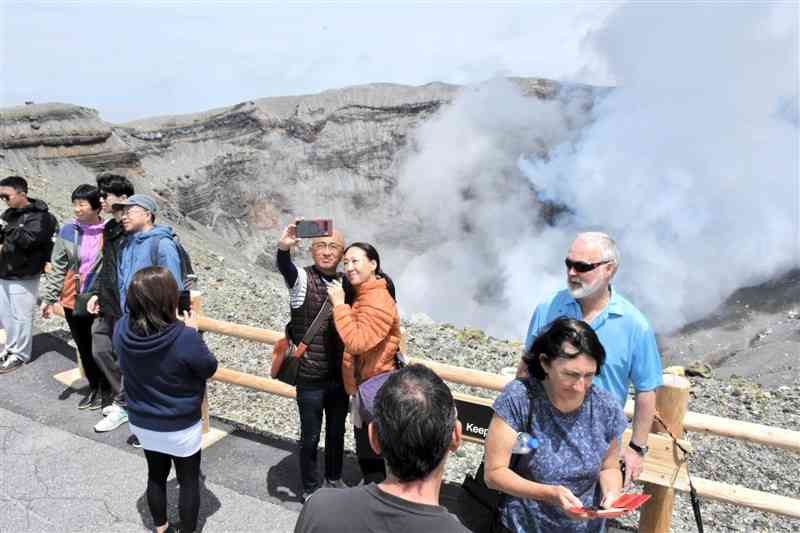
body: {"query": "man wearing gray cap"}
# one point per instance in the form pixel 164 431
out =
pixel 138 220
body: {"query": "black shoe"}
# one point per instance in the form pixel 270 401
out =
pixel 97 401
pixel 134 441
pixel 87 401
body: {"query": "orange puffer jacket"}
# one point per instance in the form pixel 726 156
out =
pixel 370 330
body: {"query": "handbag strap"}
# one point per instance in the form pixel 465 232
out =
pixel 518 456
pixel 77 259
pixel 312 330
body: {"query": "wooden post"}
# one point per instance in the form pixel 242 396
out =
pixel 197 305
pixel 672 403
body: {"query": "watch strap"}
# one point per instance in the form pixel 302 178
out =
pixel 641 450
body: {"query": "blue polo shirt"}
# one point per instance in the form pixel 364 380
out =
pixel 630 343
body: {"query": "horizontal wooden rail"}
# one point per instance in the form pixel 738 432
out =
pixel 754 499
pixel 273 386
pixel 237 330
pixel 745 431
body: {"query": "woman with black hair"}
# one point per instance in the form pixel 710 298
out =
pixel 165 365
pixel 578 428
pixel 370 330
pixel 75 263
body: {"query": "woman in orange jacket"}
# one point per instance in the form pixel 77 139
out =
pixel 370 331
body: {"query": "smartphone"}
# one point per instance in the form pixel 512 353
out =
pixel 184 302
pixel 321 227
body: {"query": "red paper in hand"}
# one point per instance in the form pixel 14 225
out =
pixel 624 504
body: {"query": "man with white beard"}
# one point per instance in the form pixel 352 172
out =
pixel 631 352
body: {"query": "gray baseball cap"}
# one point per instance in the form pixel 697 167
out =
pixel 142 200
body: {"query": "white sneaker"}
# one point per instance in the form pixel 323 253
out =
pixel 115 418
pixel 108 408
pixel 11 363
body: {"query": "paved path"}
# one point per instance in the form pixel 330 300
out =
pixel 53 480
pixel 57 475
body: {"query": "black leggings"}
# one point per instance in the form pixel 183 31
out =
pixel 188 472
pixel 81 329
pixel 373 468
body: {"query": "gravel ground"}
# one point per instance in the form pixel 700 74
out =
pixel 241 293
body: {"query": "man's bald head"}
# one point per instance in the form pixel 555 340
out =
pixel 336 236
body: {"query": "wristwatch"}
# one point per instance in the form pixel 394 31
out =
pixel 641 450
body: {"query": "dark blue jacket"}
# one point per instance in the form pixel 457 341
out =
pixel 164 374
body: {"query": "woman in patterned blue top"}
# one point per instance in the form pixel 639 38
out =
pixel 578 427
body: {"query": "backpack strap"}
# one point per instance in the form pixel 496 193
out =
pixel 154 243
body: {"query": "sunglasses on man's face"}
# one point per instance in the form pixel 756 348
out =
pixel 582 267
pixel 5 197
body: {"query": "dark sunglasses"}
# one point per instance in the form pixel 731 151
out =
pixel 5 197
pixel 582 267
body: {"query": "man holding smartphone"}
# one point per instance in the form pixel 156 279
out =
pixel 631 352
pixel 319 381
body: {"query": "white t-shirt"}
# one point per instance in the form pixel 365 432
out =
pixel 181 443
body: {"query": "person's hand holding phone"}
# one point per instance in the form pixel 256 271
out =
pixel 336 293
pixel 288 238
pixel 190 318
pixel 92 306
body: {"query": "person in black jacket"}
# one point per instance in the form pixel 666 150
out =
pixel 319 381
pixel 114 189
pixel 165 365
pixel 26 240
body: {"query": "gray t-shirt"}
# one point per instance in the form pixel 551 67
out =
pixel 369 509
pixel 571 450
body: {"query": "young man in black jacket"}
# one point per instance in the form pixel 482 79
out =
pixel 114 189
pixel 26 240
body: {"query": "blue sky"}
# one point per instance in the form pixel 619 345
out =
pixel 135 59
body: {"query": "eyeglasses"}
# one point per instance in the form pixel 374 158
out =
pixel 128 209
pixel 574 377
pixel 5 197
pixel 582 267
pixel 332 246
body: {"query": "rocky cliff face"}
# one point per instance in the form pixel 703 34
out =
pixel 242 171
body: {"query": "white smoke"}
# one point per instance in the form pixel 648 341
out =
pixel 691 163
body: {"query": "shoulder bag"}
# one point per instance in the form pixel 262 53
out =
pixel 479 506
pixel 286 355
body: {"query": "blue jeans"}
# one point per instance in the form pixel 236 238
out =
pixel 312 400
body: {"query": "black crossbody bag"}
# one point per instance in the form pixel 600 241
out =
pixel 479 506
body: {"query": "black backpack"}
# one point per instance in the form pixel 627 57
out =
pixel 186 262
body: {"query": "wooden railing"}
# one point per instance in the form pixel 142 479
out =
pixel 664 467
